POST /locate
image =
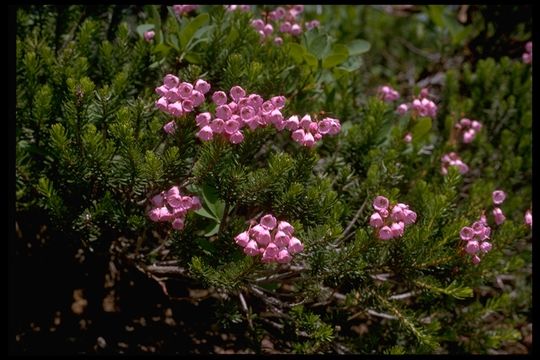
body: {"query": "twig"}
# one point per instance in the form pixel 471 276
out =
pixel 246 310
pixel 414 49
pixel 353 221
pixel 382 315
pixel 381 277
pixel 166 270
pixel 402 296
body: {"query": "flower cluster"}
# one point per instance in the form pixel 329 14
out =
pixel 275 241
pixel 390 221
pixel 172 206
pixel 527 55
pixel 453 159
pixel 244 8
pixel 184 9
pixel 244 110
pixel 307 132
pixel 421 106
pixel 387 93
pixel 285 21
pixel 498 197
pixel 178 98
pixel 149 35
pixel 468 129
pixel 528 218
pixel 476 236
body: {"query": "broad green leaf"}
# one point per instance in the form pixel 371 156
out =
pixel 311 60
pixel 319 46
pixel 297 52
pixel 187 33
pixel 333 59
pixel 353 64
pixel 194 58
pixel 421 129
pixel 211 229
pixel 141 29
pixel 212 202
pixel 359 46
pixel 203 212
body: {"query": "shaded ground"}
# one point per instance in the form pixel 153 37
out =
pixel 69 303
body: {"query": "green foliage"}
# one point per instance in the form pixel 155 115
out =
pixel 91 152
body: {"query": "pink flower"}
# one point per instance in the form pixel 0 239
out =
pixel 383 212
pixel 237 92
pixel 528 46
pixel 197 98
pixel 498 197
pixel 175 200
pixel 402 109
pixel 157 200
pixel 376 220
pixel 283 257
pixel 397 213
pixel 278 101
pixel 298 135
pixel 410 217
pixel 175 109
pixel 485 246
pixel 236 137
pixel 149 35
pixel 285 27
pixel 407 138
pixel 170 81
pixel 468 136
pixel 206 133
pixel 269 222
pixel 286 227
pixel 258 24
pixel 185 89
pixel 268 256
pixel 292 123
pixel 231 126
pixel 281 238
pixel 380 203
pixel 247 113
pixel 195 203
pixel 397 229
pixel 217 125
pixel 261 234
pixel 154 214
pixel 295 30
pixel 465 122
pixel 187 105
pixel 161 90
pixel 475 259
pixel 499 216
pixel 173 191
pixel 251 248
pixel 466 233
pixel 202 86
pixel 528 218
pixel 308 140
pixel 385 233
pixel 223 112
pixel 170 127
pixel 272 250
pixel 203 119
pixel 219 98
pixel 162 103
pixel 472 247
pixel 242 239
pixel 178 224
pixel 295 246
pixel 476 125
pixel 268 29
